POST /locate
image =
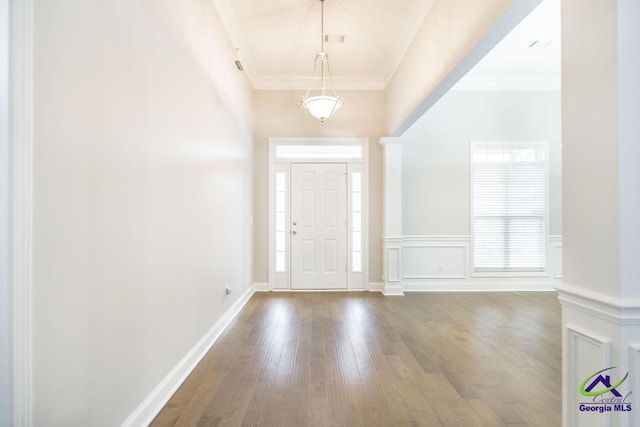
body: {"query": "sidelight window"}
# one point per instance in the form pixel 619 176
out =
pixel 281 213
pixel 356 222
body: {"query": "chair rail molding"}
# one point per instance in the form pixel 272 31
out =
pixel 622 311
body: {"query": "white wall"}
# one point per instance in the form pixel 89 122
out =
pixel 436 248
pixel 142 195
pixel 629 148
pixel 436 188
pixel 276 115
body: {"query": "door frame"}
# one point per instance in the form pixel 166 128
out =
pixel 281 280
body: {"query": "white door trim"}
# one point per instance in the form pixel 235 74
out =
pixel 281 280
pixel 16 206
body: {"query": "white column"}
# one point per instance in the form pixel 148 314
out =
pixel 392 216
pixel 600 294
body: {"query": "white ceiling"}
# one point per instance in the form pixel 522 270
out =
pixel 278 39
pixel 517 63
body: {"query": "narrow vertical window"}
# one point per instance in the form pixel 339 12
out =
pixel 281 246
pixel 356 222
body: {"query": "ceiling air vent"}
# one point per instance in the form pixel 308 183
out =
pixel 540 44
pixel 334 38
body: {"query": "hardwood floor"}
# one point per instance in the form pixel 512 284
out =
pixel 361 359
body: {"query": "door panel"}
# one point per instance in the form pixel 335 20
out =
pixel 319 226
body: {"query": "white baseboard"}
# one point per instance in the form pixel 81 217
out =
pixel 151 406
pixel 265 287
pixel 261 287
pixel 479 285
pixel 389 290
pixel 375 287
pixel 439 285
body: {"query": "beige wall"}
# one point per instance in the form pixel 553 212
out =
pixel 450 30
pixel 276 115
pixel 590 145
pixel 143 183
pixel 601 137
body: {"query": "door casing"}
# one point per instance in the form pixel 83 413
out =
pixel 356 280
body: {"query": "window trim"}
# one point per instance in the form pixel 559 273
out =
pixel 542 145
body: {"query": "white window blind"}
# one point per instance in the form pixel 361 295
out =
pixel 509 205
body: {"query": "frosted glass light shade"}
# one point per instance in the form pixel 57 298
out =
pixel 322 106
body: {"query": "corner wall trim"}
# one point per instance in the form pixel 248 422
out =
pixel 21 205
pixel 151 406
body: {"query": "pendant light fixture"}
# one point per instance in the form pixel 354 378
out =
pixel 323 105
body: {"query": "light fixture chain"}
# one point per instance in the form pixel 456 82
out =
pixel 321 106
pixel 321 25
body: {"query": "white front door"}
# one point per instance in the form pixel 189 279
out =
pixel 318 226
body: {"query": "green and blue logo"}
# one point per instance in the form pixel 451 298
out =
pixel 604 393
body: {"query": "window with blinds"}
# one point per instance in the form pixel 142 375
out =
pixel 509 207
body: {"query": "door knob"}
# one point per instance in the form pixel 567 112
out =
pixel 294 232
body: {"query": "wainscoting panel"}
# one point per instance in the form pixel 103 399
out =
pixel 393 264
pixel 634 375
pixel 434 262
pixel 443 263
pixel 586 353
pixel 435 257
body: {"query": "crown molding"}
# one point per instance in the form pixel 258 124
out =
pixel 510 82
pixel 301 82
pixel 389 140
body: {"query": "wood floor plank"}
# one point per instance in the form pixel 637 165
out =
pixel 360 359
